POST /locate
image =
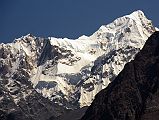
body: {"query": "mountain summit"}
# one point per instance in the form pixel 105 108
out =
pixel 71 72
pixel 134 94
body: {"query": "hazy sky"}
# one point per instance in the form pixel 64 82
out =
pixel 66 18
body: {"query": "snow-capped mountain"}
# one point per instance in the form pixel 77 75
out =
pixel 134 93
pixel 18 99
pixel 72 72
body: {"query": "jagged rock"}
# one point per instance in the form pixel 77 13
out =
pixel 71 72
pixel 134 94
pixel 18 99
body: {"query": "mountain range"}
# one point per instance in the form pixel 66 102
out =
pixel 134 94
pixel 44 78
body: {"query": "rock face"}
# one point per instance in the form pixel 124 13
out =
pixel 134 94
pixel 71 72
pixel 73 114
pixel 18 99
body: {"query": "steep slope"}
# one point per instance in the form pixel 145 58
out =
pixel 18 99
pixel 82 67
pixel 134 94
pixel 71 72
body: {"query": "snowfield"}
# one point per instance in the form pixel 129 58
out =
pixel 71 72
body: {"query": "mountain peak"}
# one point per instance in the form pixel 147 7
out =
pixel 134 94
pixel 136 22
pixel 139 17
pixel 71 72
pixel 137 13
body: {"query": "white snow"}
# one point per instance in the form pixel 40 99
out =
pixel 73 75
pixel 109 37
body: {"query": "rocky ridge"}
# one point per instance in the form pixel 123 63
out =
pixel 71 72
pixel 134 94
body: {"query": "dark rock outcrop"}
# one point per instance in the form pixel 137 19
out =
pixel 134 94
pixel 19 101
pixel 73 114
